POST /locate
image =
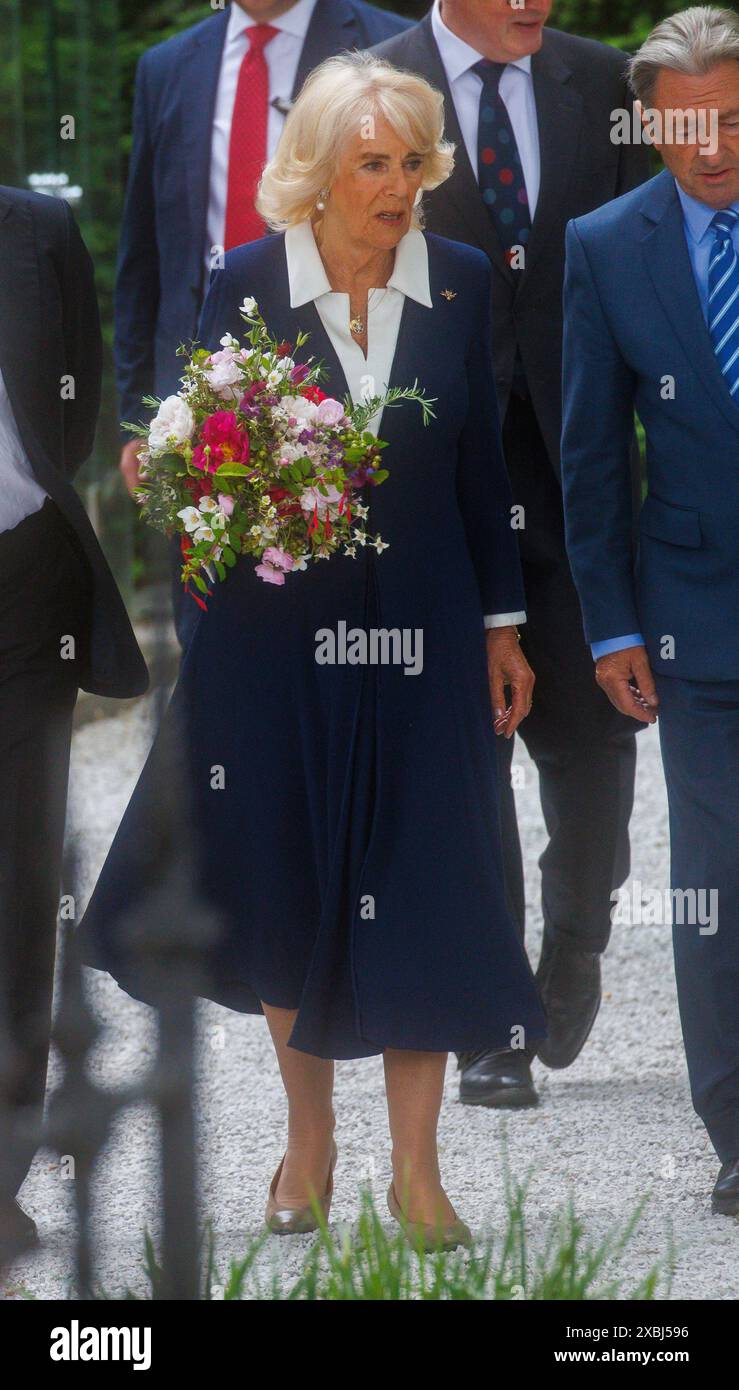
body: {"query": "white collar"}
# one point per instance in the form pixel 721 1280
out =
pixel 457 55
pixel 307 273
pixel 294 21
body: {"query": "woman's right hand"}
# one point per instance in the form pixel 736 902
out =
pixel 507 666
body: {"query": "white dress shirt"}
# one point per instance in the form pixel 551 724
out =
pixel 282 55
pixel 365 376
pixel 20 494
pixel 516 89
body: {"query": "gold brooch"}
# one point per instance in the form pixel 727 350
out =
pixel 449 294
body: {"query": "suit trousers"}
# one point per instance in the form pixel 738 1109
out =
pixel 45 597
pixel 583 748
pixel 699 735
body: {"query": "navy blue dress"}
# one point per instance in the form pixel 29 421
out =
pixel 353 855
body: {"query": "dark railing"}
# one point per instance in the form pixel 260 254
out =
pixel 166 938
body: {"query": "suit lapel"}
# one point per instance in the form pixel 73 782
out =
pixel 461 188
pixel 198 90
pixel 668 262
pixel 332 29
pixel 559 119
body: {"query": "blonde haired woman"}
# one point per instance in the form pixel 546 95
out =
pixel 354 855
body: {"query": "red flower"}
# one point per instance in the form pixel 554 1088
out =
pixel 208 462
pixel 222 431
pixel 284 349
pixel 314 393
pixel 228 442
pixel 199 487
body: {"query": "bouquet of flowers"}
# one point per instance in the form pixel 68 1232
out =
pixel 251 457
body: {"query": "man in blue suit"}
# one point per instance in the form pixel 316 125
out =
pixel 209 108
pixel 652 325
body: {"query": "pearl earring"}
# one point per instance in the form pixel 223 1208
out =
pixel 320 204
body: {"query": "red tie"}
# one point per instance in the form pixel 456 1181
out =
pixel 247 150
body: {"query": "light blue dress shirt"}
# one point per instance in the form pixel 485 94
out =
pixel 697 219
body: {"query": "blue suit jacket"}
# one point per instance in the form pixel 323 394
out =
pixel 633 327
pixel 160 281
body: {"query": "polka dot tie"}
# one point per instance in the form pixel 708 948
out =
pixel 499 169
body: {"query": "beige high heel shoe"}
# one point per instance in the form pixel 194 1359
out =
pixel 426 1238
pixel 298 1221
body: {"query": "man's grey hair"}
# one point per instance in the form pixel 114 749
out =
pixel 691 42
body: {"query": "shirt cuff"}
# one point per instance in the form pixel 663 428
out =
pixel 616 644
pixel 504 619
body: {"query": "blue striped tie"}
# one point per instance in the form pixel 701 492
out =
pixel 723 298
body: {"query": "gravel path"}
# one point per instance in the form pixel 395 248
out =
pixel 616 1125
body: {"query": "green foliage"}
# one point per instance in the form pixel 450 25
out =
pixel 370 1263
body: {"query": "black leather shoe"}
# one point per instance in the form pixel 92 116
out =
pixel 17 1230
pixel 725 1195
pixel 498 1078
pixel 569 985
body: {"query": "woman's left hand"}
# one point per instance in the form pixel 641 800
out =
pixel 507 666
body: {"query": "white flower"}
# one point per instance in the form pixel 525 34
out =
pixel 191 517
pixel 273 379
pixel 218 520
pixel 249 306
pixel 360 537
pixel 208 504
pixel 290 451
pixel 300 408
pixel 224 374
pixel 301 563
pixel 359 510
pixel 381 545
pixel 203 533
pixel 228 341
pixel 172 425
pixel 283 366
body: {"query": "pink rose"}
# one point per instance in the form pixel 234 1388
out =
pixel 329 411
pixel 226 503
pixel 270 575
pixel 279 558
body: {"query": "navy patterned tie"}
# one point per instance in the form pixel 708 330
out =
pixel 723 298
pixel 500 176
pixel 499 169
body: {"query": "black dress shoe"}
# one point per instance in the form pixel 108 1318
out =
pixel 498 1078
pixel 17 1230
pixel 725 1196
pixel 569 985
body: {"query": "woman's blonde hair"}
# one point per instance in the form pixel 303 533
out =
pixel 334 103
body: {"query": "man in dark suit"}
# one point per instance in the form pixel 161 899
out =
pixel 62 625
pixel 529 110
pixel 652 325
pixel 209 109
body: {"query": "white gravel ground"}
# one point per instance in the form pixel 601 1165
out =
pixel 616 1125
